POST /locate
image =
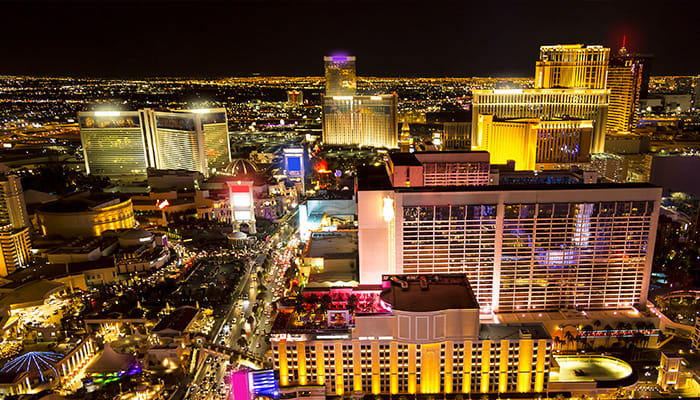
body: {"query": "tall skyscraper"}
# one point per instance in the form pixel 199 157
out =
pixel 569 84
pixel 340 75
pixel 13 210
pixel 177 141
pixel 217 147
pixel 123 144
pixel 625 82
pixel 14 232
pixel 572 66
pixel 356 120
pixel 114 143
pixel 361 120
pixel 524 247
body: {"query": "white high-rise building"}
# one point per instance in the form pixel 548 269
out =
pixel 523 247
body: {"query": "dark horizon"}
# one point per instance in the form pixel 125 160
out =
pixel 239 38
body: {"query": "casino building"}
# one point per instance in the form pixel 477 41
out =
pixel 429 341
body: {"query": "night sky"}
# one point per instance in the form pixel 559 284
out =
pixel 390 38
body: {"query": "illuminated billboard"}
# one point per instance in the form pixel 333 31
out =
pixel 264 383
pixel 294 166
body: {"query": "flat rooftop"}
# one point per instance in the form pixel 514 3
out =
pixel 376 178
pixel 513 331
pixel 82 203
pixel 333 245
pixel 339 251
pixel 426 293
pixel 178 320
pixel 571 314
pixel 32 292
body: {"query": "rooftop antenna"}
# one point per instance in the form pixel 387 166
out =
pixel 623 49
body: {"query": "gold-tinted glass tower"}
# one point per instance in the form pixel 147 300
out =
pixel 14 231
pixel 625 81
pixel 572 66
pixel 340 75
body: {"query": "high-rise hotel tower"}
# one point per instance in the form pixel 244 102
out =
pixel 340 75
pixel 123 144
pixel 523 246
pixel 14 231
pixel 569 84
pixel 356 120
pixel 626 80
pixel 572 66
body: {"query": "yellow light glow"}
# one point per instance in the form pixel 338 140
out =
pixel 388 209
pixel 200 111
pixel 107 113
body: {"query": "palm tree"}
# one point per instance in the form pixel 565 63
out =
pixel 569 338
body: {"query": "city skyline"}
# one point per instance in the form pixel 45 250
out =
pixel 212 38
pixel 347 236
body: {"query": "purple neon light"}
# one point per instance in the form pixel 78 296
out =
pixel 340 58
pixel 239 383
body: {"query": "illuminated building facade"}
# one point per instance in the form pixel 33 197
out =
pixel 456 135
pixel 15 244
pixel 523 247
pixel 14 232
pixel 405 137
pixel 361 120
pixel 13 210
pixel 114 143
pixel 217 147
pixel 546 104
pixel 193 140
pixel 625 82
pixel 572 66
pixel 86 216
pixel 533 143
pixel 340 75
pixel 123 144
pixel 430 343
pixel 178 142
